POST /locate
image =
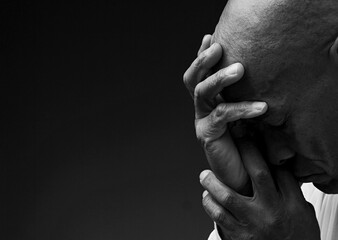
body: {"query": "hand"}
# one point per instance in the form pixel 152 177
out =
pixel 277 209
pixel 212 114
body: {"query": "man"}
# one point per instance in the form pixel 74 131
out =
pixel 290 52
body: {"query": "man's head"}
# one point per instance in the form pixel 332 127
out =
pixel 290 53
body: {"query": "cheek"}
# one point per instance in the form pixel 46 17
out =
pixel 314 120
pixel 314 137
pixel 302 140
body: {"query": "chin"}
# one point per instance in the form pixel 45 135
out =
pixel 329 188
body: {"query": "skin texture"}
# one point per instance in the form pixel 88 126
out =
pixel 275 208
pixel 284 48
pixel 212 114
pixel 292 64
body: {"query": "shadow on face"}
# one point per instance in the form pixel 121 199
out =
pixel 284 47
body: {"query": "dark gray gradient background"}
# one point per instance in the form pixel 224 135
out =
pixel 97 133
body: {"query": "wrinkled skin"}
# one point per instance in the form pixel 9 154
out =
pixel 293 66
pixel 271 207
pixel 212 114
pixel 288 65
pixel 277 210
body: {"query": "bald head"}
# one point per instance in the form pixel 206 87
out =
pixel 289 49
pixel 277 41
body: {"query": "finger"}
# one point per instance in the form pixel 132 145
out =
pixel 225 160
pixel 258 170
pixel 199 68
pixel 215 124
pixel 217 213
pixel 221 152
pixel 206 91
pixel 205 43
pixel 287 184
pixel 225 196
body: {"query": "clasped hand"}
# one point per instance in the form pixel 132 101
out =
pixel 276 209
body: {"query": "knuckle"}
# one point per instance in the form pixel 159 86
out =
pixel 219 76
pixel 215 81
pixel 228 199
pixel 219 116
pixel 240 108
pixel 206 203
pixel 199 62
pixel 209 146
pixel 198 92
pixel 218 216
pixel 220 110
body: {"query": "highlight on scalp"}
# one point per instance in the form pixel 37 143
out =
pixel 275 38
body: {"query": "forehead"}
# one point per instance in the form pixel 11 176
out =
pixel 278 44
pixel 246 37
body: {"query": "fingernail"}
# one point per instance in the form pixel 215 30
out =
pixel 204 38
pixel 260 106
pixel 232 69
pixel 204 194
pixel 204 174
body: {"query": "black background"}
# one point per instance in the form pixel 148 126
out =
pixel 97 133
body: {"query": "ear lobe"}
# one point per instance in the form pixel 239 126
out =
pixel 334 52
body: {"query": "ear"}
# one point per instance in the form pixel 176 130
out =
pixel 334 52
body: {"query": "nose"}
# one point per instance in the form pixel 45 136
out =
pixel 278 151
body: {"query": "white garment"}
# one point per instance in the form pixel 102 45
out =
pixel 326 207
